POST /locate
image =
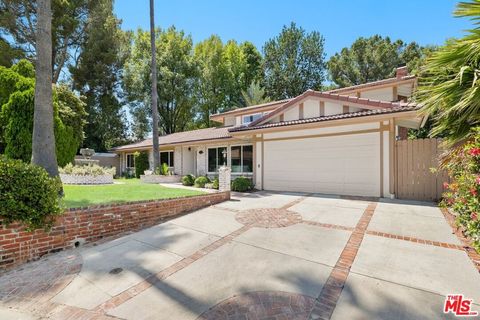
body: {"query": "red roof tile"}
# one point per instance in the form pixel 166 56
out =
pixel 397 107
pixel 181 137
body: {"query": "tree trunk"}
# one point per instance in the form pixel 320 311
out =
pixel 156 150
pixel 43 139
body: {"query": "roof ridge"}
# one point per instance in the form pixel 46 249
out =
pixel 373 83
pixel 399 107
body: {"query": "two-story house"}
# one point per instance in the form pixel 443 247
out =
pixel 335 142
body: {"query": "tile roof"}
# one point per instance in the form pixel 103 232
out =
pixel 181 137
pixel 396 107
pixel 267 104
pixel 366 103
pixel 372 84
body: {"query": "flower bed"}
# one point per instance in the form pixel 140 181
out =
pixel 86 174
pixel 462 196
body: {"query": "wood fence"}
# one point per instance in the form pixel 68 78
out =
pixel 415 161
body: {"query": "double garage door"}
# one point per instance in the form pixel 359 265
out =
pixel 343 165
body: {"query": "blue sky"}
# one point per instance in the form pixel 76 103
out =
pixel 339 21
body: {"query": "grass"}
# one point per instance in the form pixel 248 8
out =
pixel 128 190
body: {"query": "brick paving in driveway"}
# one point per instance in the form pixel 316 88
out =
pixel 262 255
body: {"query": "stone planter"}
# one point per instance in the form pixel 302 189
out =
pixel 88 179
pixel 155 178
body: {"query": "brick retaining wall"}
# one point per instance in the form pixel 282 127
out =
pixel 83 225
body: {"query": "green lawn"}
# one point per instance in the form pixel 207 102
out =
pixel 128 190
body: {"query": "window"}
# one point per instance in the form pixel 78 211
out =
pixel 242 159
pixel 250 118
pixel 167 157
pixel 216 158
pixel 130 160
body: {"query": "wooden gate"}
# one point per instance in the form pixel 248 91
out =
pixel 415 179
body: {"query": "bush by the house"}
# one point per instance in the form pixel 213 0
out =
pixel 215 183
pixel 17 91
pixel 201 181
pixel 188 180
pixel 88 170
pixel 241 184
pixel 141 163
pixel 27 194
pixel 463 192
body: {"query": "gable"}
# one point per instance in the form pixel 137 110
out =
pixel 312 107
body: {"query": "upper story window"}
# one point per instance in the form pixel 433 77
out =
pixel 251 117
pixel 167 157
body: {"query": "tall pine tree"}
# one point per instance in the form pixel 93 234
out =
pixel 97 76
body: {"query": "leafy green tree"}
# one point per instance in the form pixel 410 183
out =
pixel 17 114
pixel 176 74
pixel 225 72
pixel 211 88
pixel 449 88
pixel 374 58
pixel 294 62
pixel 69 19
pixel 253 64
pixel 97 76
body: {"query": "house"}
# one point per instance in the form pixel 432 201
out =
pixel 335 142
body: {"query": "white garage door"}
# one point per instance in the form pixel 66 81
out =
pixel 345 165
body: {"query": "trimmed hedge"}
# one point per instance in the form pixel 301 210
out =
pixel 188 180
pixel 201 181
pixel 141 163
pixel 28 194
pixel 242 184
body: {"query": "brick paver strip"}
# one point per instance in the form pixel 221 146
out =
pixel 162 275
pixel 327 225
pixel 328 298
pixel 467 244
pixel 417 240
pixel 263 305
pixel 268 218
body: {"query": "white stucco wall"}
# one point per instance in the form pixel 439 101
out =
pixel 311 108
pixel 291 114
pixel 385 94
pixel 333 108
pixel 229 121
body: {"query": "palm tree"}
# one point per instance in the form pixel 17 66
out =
pixel 156 151
pixel 450 82
pixel 255 94
pixel 43 138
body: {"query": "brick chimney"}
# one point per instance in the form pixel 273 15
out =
pixel 402 72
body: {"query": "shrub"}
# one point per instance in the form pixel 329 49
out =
pixel 241 184
pixel 88 170
pixel 141 163
pixel 462 195
pixel 201 181
pixel 215 183
pixel 17 92
pixel 28 194
pixel 188 180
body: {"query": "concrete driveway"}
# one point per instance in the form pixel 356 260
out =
pixel 259 256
